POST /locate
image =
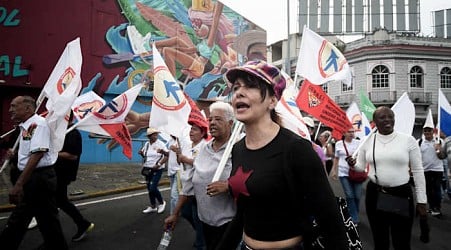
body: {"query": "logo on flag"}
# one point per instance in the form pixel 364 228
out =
pixel 65 79
pixel 85 108
pixel 330 60
pixel 170 97
pixel 356 121
pixel 114 109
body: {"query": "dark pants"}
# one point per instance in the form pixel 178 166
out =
pixel 434 188
pixel 68 207
pixel 38 201
pixel 213 234
pixel 383 224
pixel 189 212
pixel 152 181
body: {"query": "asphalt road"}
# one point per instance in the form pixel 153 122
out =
pixel 120 224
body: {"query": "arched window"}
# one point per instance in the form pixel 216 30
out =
pixel 445 78
pixel 380 76
pixel 416 77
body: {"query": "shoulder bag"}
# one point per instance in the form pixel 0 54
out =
pixel 387 202
pixel 353 175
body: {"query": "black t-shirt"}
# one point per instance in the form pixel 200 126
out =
pixel 66 170
pixel 284 183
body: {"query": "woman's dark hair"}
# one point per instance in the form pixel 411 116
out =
pixel 252 81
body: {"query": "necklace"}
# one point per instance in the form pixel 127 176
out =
pixel 386 139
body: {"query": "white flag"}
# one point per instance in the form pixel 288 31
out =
pixel 288 110
pixel 320 61
pixel 404 114
pixel 170 109
pixel 359 121
pixel 61 89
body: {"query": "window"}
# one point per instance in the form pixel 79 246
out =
pixel 416 77
pixel 380 76
pixel 346 88
pixel 325 87
pixel 445 78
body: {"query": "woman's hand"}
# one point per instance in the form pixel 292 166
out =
pixel 217 187
pixel 421 210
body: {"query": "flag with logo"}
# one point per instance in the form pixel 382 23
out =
pixel 61 89
pixel 313 100
pixel 444 114
pixel 86 103
pixel 366 106
pixel 320 61
pixel 109 119
pixel 288 110
pixel 404 114
pixel 170 108
pixel 358 120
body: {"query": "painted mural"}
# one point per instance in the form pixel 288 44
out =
pixel 198 39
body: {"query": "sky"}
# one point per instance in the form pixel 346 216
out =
pixel 272 15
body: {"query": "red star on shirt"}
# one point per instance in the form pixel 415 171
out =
pixel 238 182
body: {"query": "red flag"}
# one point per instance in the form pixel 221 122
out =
pixel 313 100
pixel 120 133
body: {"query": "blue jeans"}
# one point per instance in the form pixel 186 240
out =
pixel 152 181
pixel 353 193
pixel 173 180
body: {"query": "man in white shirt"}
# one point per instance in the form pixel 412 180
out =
pixel 35 189
pixel 433 168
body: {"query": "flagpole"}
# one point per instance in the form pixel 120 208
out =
pixel 236 132
pixel 7 133
pixel 317 131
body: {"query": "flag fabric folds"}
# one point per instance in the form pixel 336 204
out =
pixel 170 108
pixel 444 114
pixel 288 110
pixel 320 61
pixel 358 120
pixel 61 89
pixel 109 119
pixel 313 100
pixel 404 114
pixel 366 106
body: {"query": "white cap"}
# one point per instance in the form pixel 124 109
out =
pixel 308 121
pixel 429 122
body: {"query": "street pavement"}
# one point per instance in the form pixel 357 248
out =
pixel 101 180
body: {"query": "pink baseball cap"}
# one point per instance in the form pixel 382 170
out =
pixel 263 70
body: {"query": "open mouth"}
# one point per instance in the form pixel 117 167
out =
pixel 241 106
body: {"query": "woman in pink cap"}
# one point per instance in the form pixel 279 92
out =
pixel 277 179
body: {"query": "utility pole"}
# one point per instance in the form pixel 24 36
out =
pixel 287 60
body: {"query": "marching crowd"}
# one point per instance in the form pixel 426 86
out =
pixel 269 166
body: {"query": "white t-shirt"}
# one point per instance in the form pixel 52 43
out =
pixel 151 155
pixel 431 162
pixel 340 153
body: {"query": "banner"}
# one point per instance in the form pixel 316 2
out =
pixel 313 100
pixel 170 109
pixel 61 89
pixel 320 61
pixel 444 114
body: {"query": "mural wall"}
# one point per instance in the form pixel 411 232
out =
pixel 198 39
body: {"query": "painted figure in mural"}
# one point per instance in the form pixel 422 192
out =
pixel 34 191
